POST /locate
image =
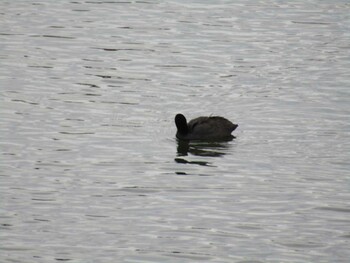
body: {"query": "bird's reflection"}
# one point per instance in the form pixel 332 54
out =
pixel 202 148
pixel 181 160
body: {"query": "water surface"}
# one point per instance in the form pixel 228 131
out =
pixel 90 167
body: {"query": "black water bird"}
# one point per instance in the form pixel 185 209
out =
pixel 204 128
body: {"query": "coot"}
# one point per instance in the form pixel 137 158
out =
pixel 204 128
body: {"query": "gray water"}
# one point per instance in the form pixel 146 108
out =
pixel 91 170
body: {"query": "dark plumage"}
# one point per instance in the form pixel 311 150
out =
pixel 204 128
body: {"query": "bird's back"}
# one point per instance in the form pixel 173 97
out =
pixel 210 128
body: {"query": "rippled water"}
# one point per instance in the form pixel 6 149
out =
pixel 90 167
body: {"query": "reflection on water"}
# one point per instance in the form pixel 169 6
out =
pixel 88 156
pixel 181 160
pixel 202 148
